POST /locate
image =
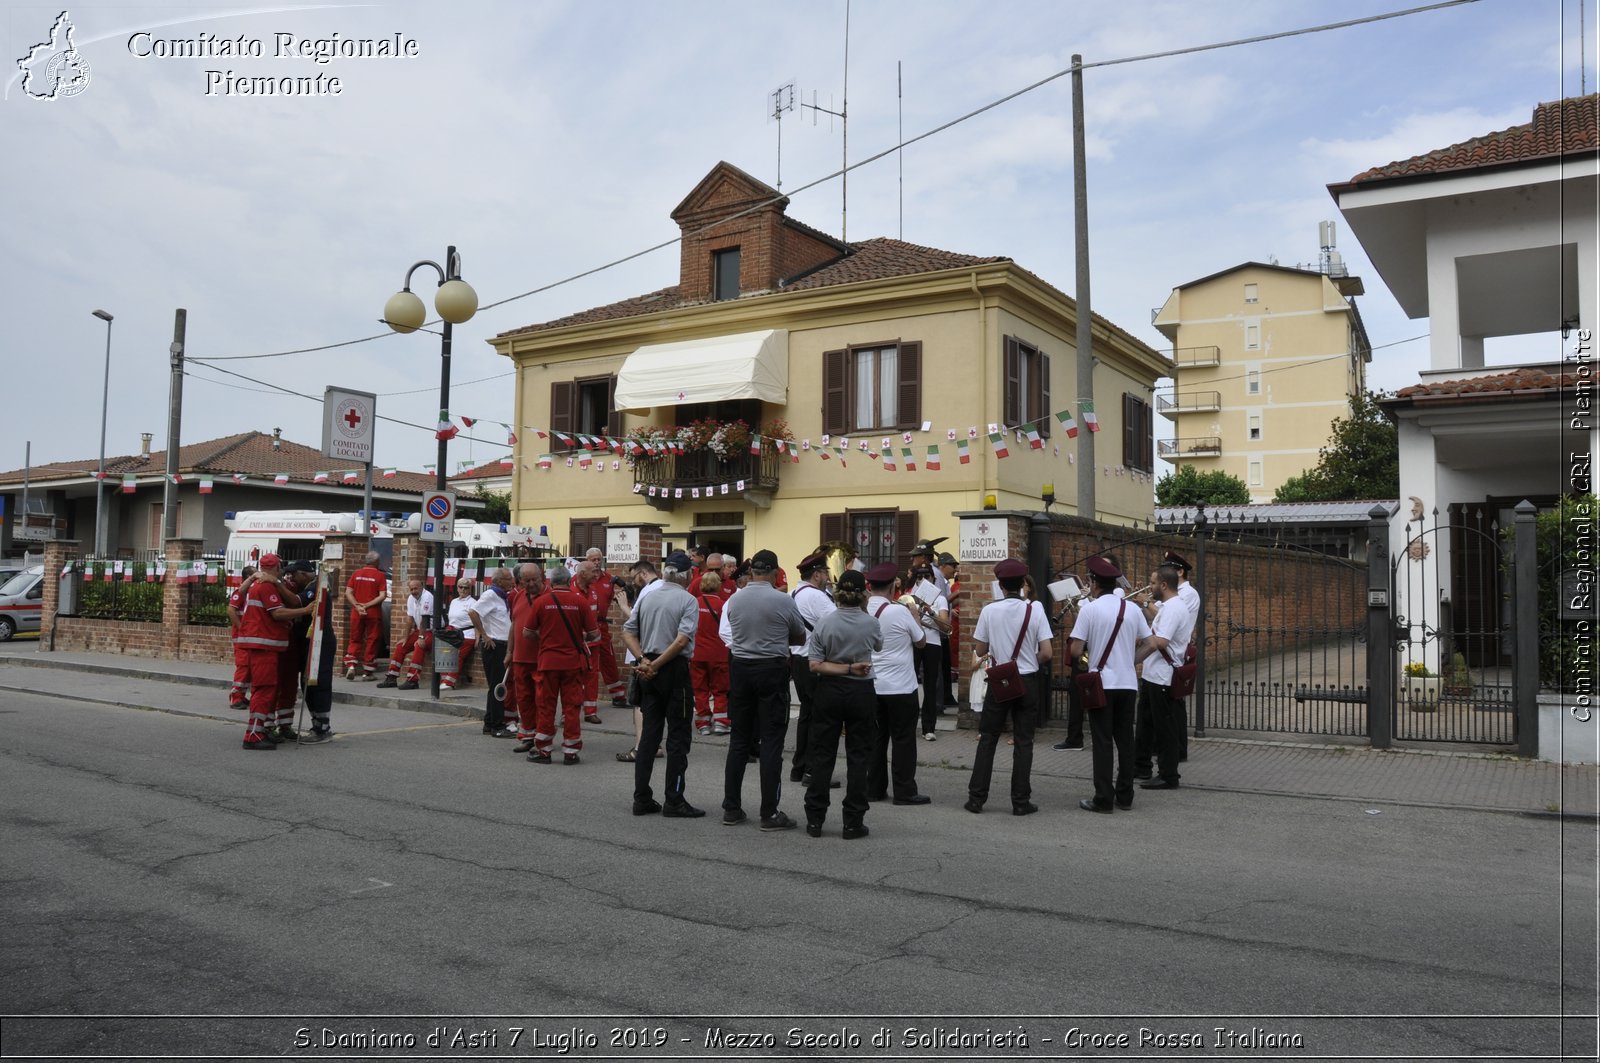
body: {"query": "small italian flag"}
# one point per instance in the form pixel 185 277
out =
pixel 205 487
pixel 238 477
pixel 963 452
pixel 319 478
pixel 1032 432
pixel 933 457
pixel 507 462
pixel 469 421
pixel 584 461
pixel 281 478
pixel 1090 420
pixel 564 439
pixel 389 474
pixel 511 435
pixel 755 443
pixel 544 461
pixel 888 459
pixel 447 428
pixel 999 441
pixel 1069 423
pixel 352 476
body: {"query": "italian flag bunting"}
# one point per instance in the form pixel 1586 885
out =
pixel 469 421
pixel 544 461
pixel 352 476
pixel 319 478
pixel 755 443
pixel 963 452
pixel 389 474
pixel 507 462
pixel 205 487
pixel 888 459
pixel 1069 423
pixel 239 477
pixel 933 457
pixel 999 441
pixel 564 439
pixel 1090 420
pixel 281 478
pixel 511 435
pixel 1032 432
pixel 911 462
pixel 447 428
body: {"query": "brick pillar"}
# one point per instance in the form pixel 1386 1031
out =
pixel 57 554
pixel 977 579
pixel 341 556
pixel 413 560
pixel 176 594
pixel 649 540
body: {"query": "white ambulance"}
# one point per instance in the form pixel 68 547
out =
pixel 295 534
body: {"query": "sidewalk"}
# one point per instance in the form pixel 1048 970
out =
pixel 1419 777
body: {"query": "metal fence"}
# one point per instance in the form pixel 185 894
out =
pixel 120 588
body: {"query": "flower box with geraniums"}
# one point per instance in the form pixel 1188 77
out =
pixel 1419 687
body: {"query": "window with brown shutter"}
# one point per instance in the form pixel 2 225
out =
pixel 1138 434
pixel 586 532
pixel 872 387
pixel 874 535
pixel 834 529
pixel 585 406
pixel 1025 385
pixel 910 387
pixel 836 392
pixel 561 405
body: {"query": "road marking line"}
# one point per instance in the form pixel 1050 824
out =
pixel 402 730
pixel 381 885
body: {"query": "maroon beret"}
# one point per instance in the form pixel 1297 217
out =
pixel 1010 568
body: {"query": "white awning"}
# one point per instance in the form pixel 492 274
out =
pixel 751 365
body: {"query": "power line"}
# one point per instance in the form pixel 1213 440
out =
pixel 1258 39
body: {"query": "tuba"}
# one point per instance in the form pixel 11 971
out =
pixel 841 558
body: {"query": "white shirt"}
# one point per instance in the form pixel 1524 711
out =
pixel 420 610
pixel 1191 598
pixel 998 625
pixel 1174 624
pixel 814 604
pixel 460 616
pixel 1095 623
pixel 937 603
pixel 894 669
pixel 492 611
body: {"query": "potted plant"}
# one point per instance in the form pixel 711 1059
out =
pixel 1420 687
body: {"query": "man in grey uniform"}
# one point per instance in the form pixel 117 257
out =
pixel 660 632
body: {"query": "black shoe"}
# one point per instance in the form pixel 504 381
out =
pixel 1159 784
pixel 814 829
pixel 795 775
pixel 682 810
pixel 778 821
pixel 313 736
pixel 1064 744
pixel 409 684
pixel 914 799
pixel 619 703
pixel 569 758
pixel 805 780
pixel 1027 808
pixel 1145 775
pixel 284 734
pixel 1125 806
pixel 538 757
pixel 646 808
pixel 387 682
pixel 524 746
pixel 592 717
pixel 852 831
pixel 732 817
pixel 1088 805
pixel 884 796
pixel 263 744
pixel 973 805
pixel 500 732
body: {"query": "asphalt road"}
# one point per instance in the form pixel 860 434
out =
pixel 415 868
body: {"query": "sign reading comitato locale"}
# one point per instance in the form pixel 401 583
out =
pixel 348 418
pixel 982 539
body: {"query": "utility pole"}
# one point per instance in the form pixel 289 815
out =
pixel 169 497
pixel 1085 333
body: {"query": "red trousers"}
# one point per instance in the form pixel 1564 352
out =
pixel 415 647
pixel 606 656
pixel 288 687
pixel 522 697
pixel 710 679
pixel 362 645
pixel 239 695
pixel 591 688
pixel 568 684
pixel 263 692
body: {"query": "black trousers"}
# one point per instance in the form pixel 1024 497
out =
pixel 852 706
pixel 1023 715
pixel 935 682
pixel 1108 727
pixel 1160 717
pixel 494 672
pixel 897 734
pixel 758 706
pixel 805 687
pixel 668 704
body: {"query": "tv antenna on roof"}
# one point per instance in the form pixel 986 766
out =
pixel 843 114
pixel 779 100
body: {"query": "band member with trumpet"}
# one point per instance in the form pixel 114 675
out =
pixel 1160 653
pixel 811 597
pixel 491 618
pixel 1108 629
pixel 1008 625
pixel 933 612
pixel 894 680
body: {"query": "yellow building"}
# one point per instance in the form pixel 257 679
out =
pixel 867 352
pixel 1267 358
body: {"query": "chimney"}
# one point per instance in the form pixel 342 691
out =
pixel 277 438
pixel 144 444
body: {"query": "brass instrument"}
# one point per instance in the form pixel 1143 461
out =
pixel 841 558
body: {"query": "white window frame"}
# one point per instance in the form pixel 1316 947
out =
pixel 1252 337
pixel 1252 379
pixel 1257 472
pixel 1254 426
pixel 1252 293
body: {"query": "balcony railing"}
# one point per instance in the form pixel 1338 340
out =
pixel 702 469
pixel 1196 357
pixel 1189 447
pixel 1170 404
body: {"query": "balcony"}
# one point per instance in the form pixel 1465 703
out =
pixel 1170 403
pixel 1176 450
pixel 702 469
pixel 1197 357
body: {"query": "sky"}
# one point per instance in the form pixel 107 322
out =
pixel 547 139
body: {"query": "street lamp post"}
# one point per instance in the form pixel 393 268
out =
pixel 456 302
pixel 100 473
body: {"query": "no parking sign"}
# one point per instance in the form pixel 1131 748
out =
pixel 438 516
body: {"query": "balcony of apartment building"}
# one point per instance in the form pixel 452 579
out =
pixel 1186 447
pixel 1197 357
pixel 1172 403
pixel 668 480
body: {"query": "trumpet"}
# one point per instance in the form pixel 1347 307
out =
pixel 911 601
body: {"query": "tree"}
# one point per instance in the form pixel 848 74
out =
pixel 1361 460
pixel 1189 485
pixel 496 506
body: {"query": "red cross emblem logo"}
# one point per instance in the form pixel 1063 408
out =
pixel 983 529
pixel 352 418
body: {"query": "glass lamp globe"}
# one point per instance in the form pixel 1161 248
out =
pixel 456 301
pixel 404 312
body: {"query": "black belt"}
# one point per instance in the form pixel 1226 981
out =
pixel 761 660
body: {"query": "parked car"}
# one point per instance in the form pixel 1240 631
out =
pixel 22 602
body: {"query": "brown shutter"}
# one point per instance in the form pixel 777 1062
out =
pixel 905 536
pixel 910 397
pixel 835 393
pixel 1130 428
pixel 1011 384
pixel 1149 437
pixel 614 415
pixel 834 529
pixel 563 397
pixel 1041 410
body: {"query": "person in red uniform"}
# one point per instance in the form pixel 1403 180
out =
pixel 264 633
pixel 239 695
pixel 522 690
pixel 583 581
pixel 708 669
pixel 564 629
pixel 365 593
pixel 417 642
pixel 603 591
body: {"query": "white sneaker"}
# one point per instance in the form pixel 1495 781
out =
pixel 929 736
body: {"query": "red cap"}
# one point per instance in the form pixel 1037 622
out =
pixel 270 561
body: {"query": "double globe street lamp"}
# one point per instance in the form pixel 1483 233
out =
pixel 456 302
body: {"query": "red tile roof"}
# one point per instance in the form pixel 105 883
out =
pixel 249 453
pixel 1559 128
pixel 487 471
pixel 1528 382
